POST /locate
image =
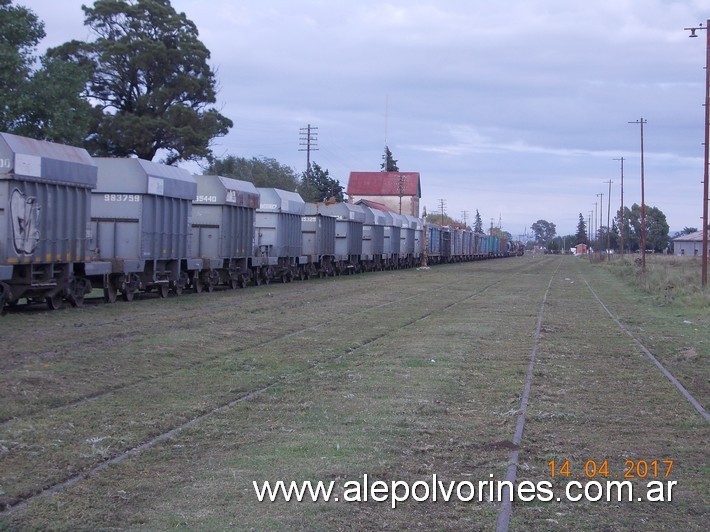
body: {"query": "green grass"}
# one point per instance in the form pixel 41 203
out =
pixel 397 375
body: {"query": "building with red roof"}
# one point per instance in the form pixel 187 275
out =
pixel 400 191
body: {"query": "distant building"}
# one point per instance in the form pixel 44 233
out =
pixel 689 245
pixel 580 249
pixel 400 191
pixel 375 205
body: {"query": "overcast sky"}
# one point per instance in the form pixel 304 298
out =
pixel 516 108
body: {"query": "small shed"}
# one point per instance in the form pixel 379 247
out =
pixel 689 245
pixel 580 249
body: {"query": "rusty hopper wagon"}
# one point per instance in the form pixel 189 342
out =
pixel 44 221
pixel 223 231
pixel 141 215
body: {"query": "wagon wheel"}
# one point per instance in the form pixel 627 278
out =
pixel 266 278
pixel 197 285
pixel 76 300
pixel 181 283
pixel 110 293
pixel 234 284
pixel 301 273
pixel 54 302
pixel 209 287
pixel 128 294
pixel 243 280
pixel 163 290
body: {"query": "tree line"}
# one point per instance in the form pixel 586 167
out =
pixel 657 232
pixel 142 88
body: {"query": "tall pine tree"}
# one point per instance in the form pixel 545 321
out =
pixel 581 235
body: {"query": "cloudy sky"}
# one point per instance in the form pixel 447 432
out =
pixel 517 108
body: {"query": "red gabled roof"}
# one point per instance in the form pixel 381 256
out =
pixel 384 184
pixel 375 205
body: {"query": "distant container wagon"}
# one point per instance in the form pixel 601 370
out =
pixel 493 245
pixel 434 243
pixel 468 245
pixel 457 243
pixel 445 244
pixel 223 231
pixel 318 242
pixel 141 215
pixel 277 235
pixel 45 193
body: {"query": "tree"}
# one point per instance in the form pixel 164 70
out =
pixel 560 244
pixel 53 108
pixel 151 79
pixel 316 185
pixel 478 223
pixel 20 32
pixel 686 231
pixel 444 220
pixel 42 103
pixel 581 235
pixel 656 228
pixel 263 172
pixel 544 232
pixel 389 164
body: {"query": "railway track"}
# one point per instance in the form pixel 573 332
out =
pixel 361 311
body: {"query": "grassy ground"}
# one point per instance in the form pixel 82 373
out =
pixel 397 375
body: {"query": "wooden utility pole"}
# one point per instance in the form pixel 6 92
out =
pixel 309 139
pixel 621 227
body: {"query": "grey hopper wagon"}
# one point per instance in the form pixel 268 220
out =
pixel 373 238
pixel 349 220
pixel 406 245
pixel 223 231
pixel 277 235
pixel 416 226
pixel 317 242
pixel 141 216
pixel 44 221
pixel 392 236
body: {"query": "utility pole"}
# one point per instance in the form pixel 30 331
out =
pixel 706 164
pixel 309 139
pixel 465 217
pixel 621 227
pixel 590 219
pixel 643 202
pixel 442 206
pixel 600 218
pixel 608 225
pixel 595 221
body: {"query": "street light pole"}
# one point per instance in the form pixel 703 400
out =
pixel 643 202
pixel 704 275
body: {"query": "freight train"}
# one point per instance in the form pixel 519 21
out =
pixel 71 223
